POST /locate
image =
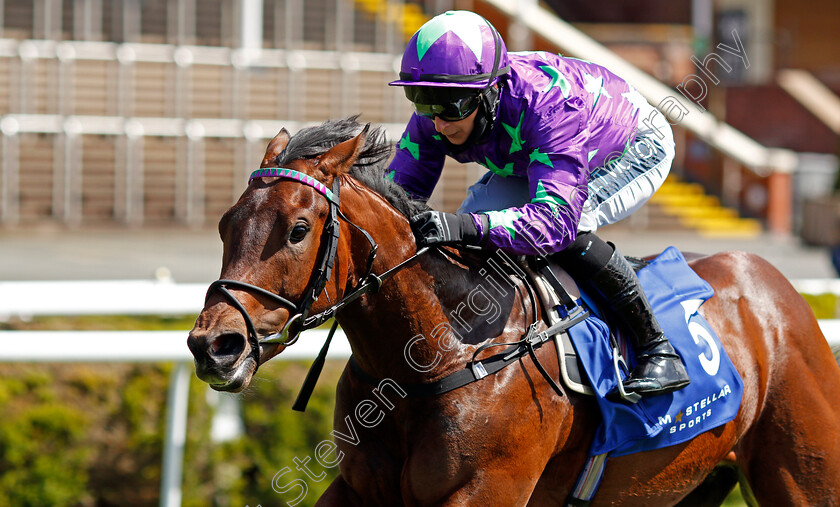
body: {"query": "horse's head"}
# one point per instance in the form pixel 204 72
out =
pixel 283 260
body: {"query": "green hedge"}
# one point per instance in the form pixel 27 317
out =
pixel 91 434
pixel 242 472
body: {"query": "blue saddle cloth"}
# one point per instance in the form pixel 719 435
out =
pixel 714 395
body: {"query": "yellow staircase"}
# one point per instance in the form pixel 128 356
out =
pixel 408 17
pixel 697 210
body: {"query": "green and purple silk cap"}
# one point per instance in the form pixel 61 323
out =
pixel 456 49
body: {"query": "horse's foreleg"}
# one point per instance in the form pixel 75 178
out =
pixel 339 493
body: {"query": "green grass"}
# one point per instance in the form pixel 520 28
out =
pixel 735 499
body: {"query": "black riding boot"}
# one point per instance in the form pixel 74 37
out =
pixel 659 369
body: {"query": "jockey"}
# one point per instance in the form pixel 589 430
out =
pixel 569 147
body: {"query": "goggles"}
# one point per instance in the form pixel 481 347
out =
pixel 447 104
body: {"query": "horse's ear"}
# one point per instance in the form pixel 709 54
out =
pixel 341 157
pixel 276 147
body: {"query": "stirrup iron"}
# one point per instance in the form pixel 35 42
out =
pixel 618 361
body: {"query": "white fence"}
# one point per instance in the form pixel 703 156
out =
pixel 127 297
pixel 28 299
pixel 109 297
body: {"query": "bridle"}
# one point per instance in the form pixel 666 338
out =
pixel 299 319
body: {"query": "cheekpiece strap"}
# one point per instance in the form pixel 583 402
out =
pixel 282 172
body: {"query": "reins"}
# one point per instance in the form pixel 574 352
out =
pixel 371 283
pixel 300 319
pixel 475 370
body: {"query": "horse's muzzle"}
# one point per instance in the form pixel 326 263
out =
pixel 223 360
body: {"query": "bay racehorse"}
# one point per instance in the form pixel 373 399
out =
pixel 508 439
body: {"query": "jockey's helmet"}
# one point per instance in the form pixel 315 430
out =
pixel 452 66
pixel 456 49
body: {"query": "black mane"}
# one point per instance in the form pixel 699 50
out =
pixel 369 168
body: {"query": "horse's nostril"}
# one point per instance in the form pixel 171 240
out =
pixel 228 344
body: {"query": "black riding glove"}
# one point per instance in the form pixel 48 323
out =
pixel 439 228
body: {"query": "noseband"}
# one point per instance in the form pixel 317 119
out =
pixel 299 319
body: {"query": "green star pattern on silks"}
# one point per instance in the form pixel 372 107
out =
pixel 413 148
pixel 542 158
pixel 504 172
pixel 504 219
pixel 557 80
pixel 554 202
pixel 515 134
pixel 595 87
pixel 461 23
pixel 436 137
pixel 390 175
pixel 591 154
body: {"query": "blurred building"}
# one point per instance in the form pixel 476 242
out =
pixel 153 112
pixel 784 96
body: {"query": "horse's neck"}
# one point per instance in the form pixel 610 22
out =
pixel 429 317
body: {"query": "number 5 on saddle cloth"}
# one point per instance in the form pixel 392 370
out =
pixel 589 362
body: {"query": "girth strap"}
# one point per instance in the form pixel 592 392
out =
pixel 588 482
pixel 451 382
pixel 477 370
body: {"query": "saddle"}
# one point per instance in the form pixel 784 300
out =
pixel 561 301
pixel 658 421
pixel 557 290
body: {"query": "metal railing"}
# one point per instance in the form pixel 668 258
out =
pixel 139 95
pixel 146 347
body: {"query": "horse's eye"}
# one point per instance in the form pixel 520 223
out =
pixel 298 233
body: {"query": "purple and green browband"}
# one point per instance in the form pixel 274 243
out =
pixel 282 172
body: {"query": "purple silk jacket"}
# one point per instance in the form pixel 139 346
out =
pixel 558 119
